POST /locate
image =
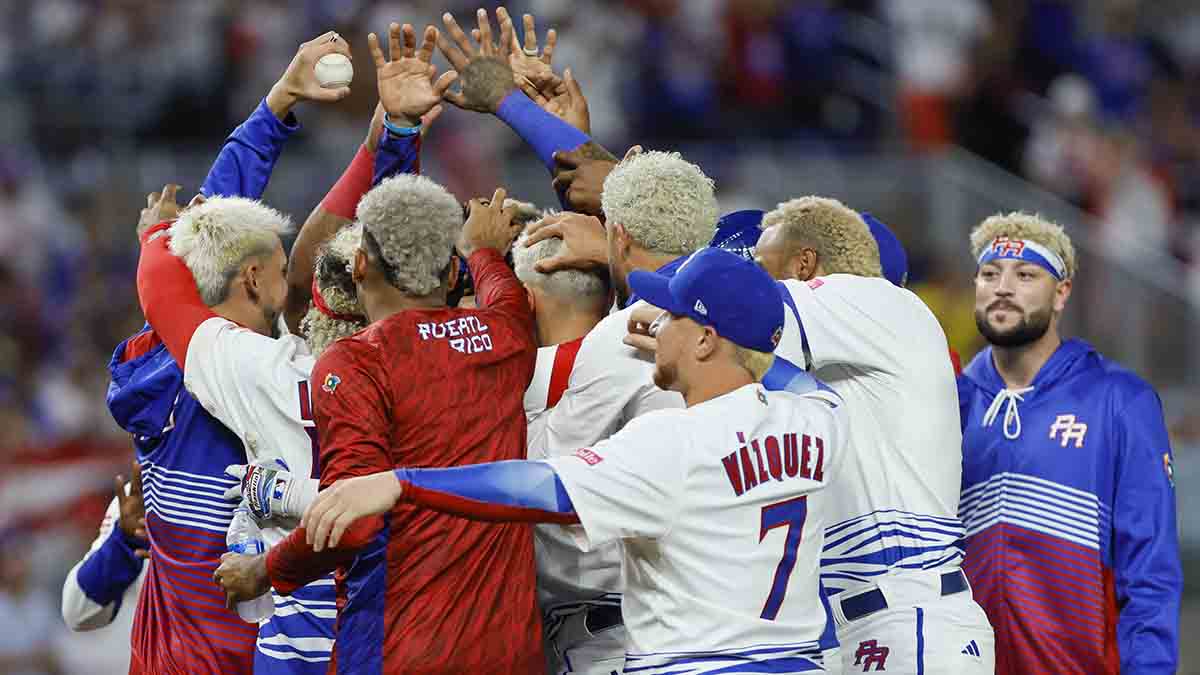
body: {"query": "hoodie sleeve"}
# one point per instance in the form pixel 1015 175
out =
pixel 95 587
pixel 1147 571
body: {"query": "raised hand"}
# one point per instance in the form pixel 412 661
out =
pixel 530 67
pixel 299 81
pixel 484 70
pixel 579 175
pixel 160 206
pixel 407 88
pixel 132 518
pixel 489 225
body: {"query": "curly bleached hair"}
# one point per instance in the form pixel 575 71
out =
pixel 566 284
pixel 216 237
pixel 335 283
pixel 1019 225
pixel 666 203
pixel 842 240
pixel 414 222
pixel 525 212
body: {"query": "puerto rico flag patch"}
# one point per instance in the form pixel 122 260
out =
pixel 331 383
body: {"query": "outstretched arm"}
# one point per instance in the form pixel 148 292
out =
pixel 245 162
pixel 518 490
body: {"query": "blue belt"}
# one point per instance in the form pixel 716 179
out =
pixel 872 601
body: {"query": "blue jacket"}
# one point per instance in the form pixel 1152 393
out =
pixel 1069 505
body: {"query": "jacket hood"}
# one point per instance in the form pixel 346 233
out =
pixel 145 384
pixel 981 371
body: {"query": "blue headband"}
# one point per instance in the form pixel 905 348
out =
pixel 1026 250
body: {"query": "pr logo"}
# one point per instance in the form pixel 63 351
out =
pixel 870 653
pixel 1071 430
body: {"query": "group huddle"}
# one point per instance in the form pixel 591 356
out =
pixel 631 436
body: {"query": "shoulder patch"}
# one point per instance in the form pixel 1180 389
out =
pixel 588 456
pixel 1169 467
pixel 331 383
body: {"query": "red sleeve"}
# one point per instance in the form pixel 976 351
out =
pixel 496 287
pixel 168 294
pixel 353 420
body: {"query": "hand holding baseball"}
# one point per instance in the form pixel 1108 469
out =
pixel 407 88
pixel 300 81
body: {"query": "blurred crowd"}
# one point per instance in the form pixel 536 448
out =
pixel 1095 101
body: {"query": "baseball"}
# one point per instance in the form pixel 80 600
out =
pixel 334 71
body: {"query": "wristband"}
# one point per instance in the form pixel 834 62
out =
pixel 399 130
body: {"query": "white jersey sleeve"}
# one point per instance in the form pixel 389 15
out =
pixel 256 386
pixel 627 486
pixel 611 384
pixel 80 612
pixel 841 321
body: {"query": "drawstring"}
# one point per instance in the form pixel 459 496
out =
pixel 1011 415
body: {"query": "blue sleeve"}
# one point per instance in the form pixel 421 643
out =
pixel 544 132
pixel 503 491
pixel 245 162
pixel 396 155
pixel 787 376
pixel 110 570
pixel 1147 571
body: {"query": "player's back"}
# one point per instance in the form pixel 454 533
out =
pixel 732 574
pixel 881 349
pixel 181 624
pixel 460 594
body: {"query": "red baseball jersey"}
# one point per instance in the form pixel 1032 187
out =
pixel 420 591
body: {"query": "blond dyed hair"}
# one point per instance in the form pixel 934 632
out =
pixel 566 284
pixel 1020 225
pixel 216 237
pixel 666 203
pixel 336 286
pixel 841 238
pixel 758 363
pixel 415 221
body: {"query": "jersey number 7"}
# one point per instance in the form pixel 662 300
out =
pixel 792 514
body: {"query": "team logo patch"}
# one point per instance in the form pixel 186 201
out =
pixel 588 456
pixel 1071 430
pixel 331 383
pixel 1008 248
pixel 1169 467
pixel 871 653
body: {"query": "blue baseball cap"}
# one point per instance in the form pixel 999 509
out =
pixel 738 232
pixel 892 257
pixel 723 290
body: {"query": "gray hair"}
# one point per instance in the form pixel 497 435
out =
pixel 415 222
pixel 215 238
pixel 567 284
pixel 336 286
pixel 666 203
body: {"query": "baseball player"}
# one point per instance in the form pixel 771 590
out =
pixel 891 557
pixel 255 384
pixel 1068 497
pixel 720 506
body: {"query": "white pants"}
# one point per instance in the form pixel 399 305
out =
pixel 921 632
pixel 574 649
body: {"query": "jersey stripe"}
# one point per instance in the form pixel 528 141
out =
pixel 560 373
pixel 862 548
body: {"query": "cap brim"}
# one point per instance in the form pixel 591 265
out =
pixel 654 289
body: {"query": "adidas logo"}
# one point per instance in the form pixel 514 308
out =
pixel 700 308
pixel 971 649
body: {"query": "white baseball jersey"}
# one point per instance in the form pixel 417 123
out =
pixel 573 403
pixel 895 504
pixel 259 388
pixel 721 509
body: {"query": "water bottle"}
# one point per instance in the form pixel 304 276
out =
pixel 245 537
